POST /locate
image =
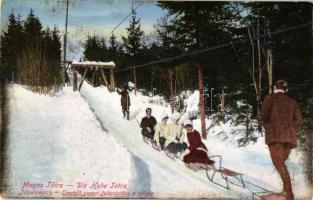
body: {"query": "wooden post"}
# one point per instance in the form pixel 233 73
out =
pixel 64 43
pixel 171 90
pixel 223 104
pixel 270 70
pixel 112 81
pixel 202 113
pixel 269 59
pixel 135 81
pixel 93 76
pixel 74 79
pixel 105 80
pixel 83 78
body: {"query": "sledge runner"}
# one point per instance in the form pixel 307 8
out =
pixel 125 101
pixel 160 130
pixel 148 124
pixel 281 117
pixel 174 137
pixel 197 151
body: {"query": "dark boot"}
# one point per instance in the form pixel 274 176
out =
pixel 162 142
pixel 127 115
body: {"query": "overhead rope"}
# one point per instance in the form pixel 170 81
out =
pixel 131 13
pixel 169 59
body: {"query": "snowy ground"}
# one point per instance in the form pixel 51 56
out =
pixel 58 139
pixel 82 137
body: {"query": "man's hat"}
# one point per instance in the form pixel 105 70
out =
pixel 281 84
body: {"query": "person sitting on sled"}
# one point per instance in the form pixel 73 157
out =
pixel 197 151
pixel 174 137
pixel 148 124
pixel 160 130
pixel 125 101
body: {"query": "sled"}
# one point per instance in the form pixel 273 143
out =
pixel 198 166
pixel 150 141
pixel 268 196
pixel 172 155
pixel 229 176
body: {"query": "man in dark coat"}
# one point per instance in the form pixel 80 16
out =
pixel 148 124
pixel 281 117
pixel 125 101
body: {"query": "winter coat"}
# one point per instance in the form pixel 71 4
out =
pixel 125 100
pixel 173 132
pixel 159 131
pixel 194 141
pixel 281 117
pixel 148 122
pixel 198 151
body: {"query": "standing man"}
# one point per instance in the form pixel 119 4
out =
pixel 125 101
pixel 148 124
pixel 281 117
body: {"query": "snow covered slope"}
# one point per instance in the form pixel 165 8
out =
pixel 58 139
pixel 254 160
pixel 82 137
pixel 165 177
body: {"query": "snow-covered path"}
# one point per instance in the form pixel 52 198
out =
pixel 254 160
pixel 82 137
pixel 163 171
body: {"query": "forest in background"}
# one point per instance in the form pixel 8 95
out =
pixel 246 71
pixel 31 55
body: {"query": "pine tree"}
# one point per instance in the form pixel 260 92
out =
pixel 112 49
pixel 133 41
pixel 132 51
pixel 103 50
pixel 12 44
pixel 32 27
pixel 95 49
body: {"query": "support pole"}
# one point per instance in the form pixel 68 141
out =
pixel 202 113
pixel 93 76
pixel 83 78
pixel 270 70
pixel 223 104
pixel 112 81
pixel 64 44
pixel 135 81
pixel 105 80
pixel 74 79
pixel 171 90
pixel 269 59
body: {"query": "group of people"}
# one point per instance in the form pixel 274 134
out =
pixel 280 116
pixel 171 137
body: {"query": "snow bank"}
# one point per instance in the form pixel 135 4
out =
pixel 94 63
pixel 58 139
